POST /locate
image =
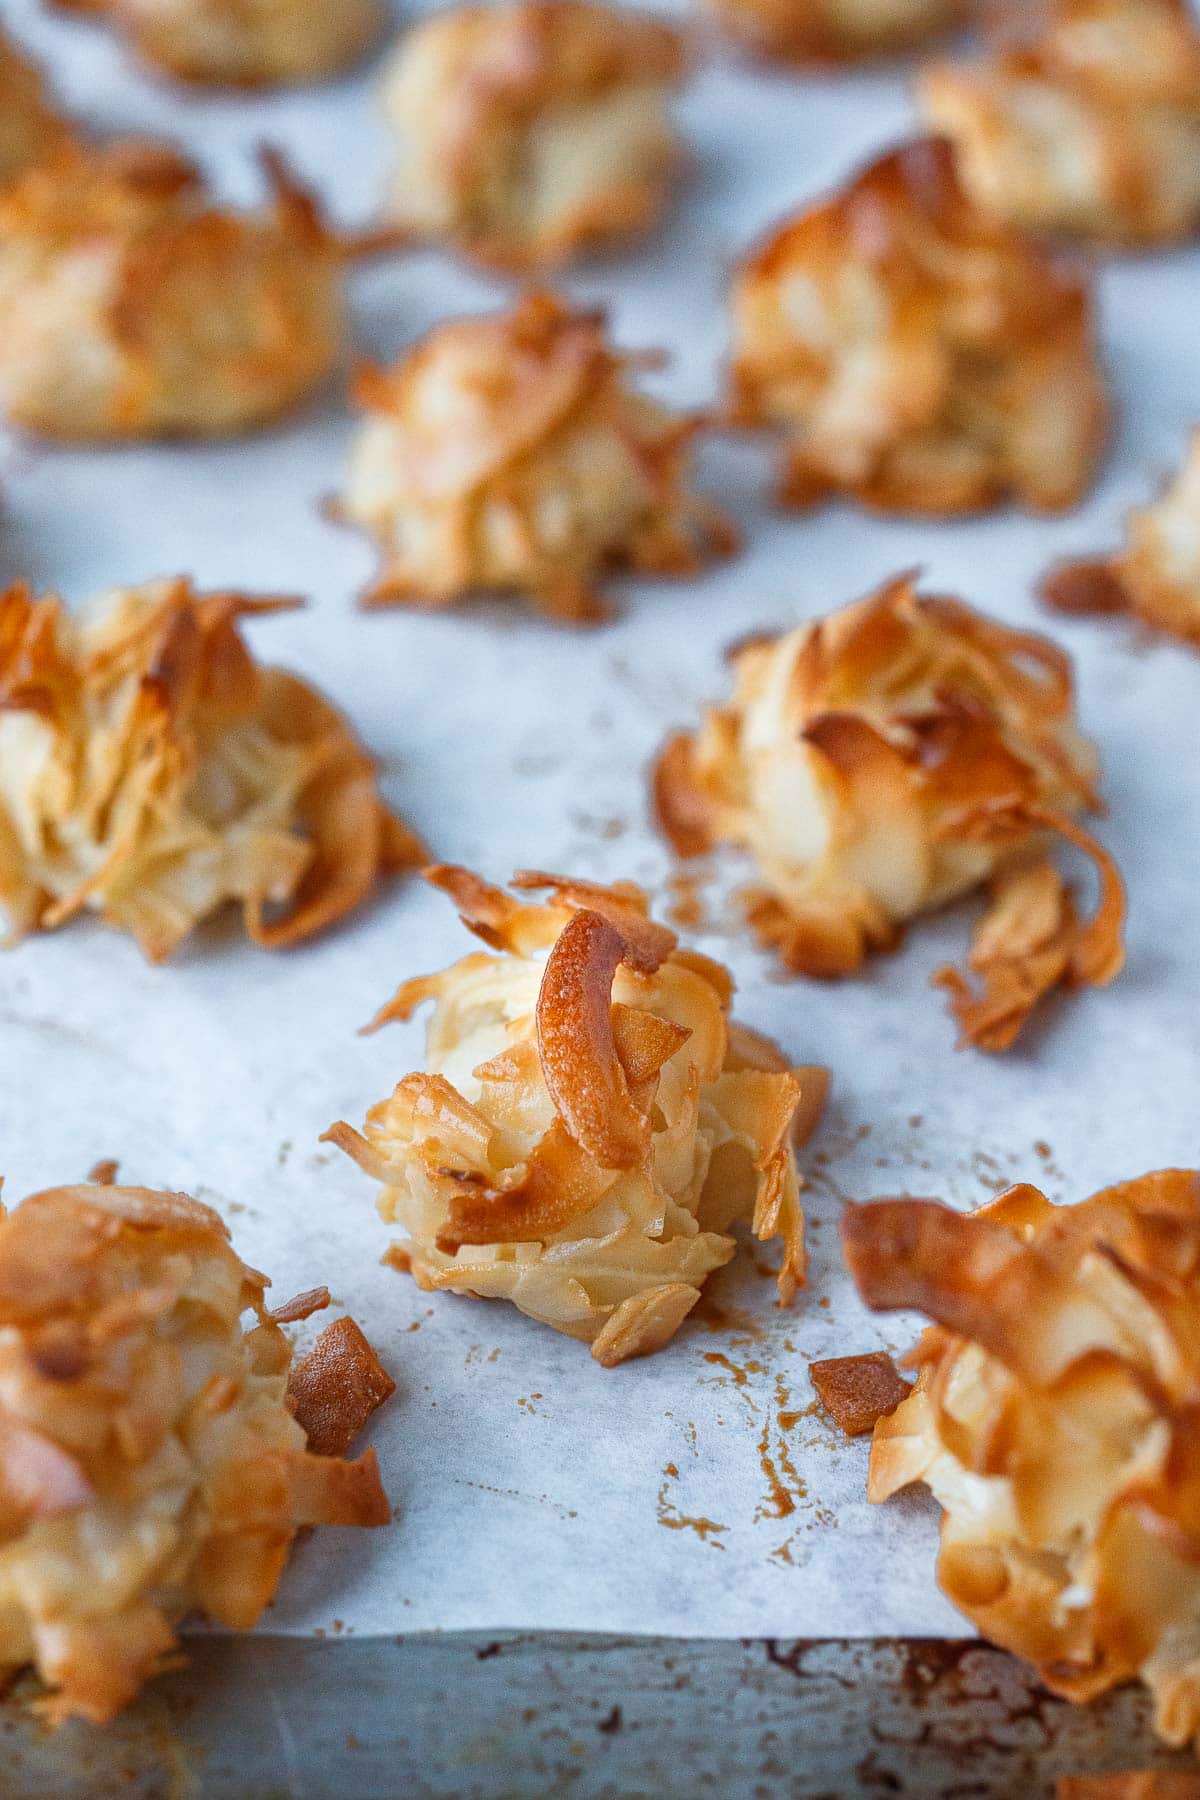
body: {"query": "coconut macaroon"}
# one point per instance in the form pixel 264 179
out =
pixel 888 759
pixel 1055 1421
pixel 513 454
pixel 1155 578
pixel 1085 119
pixel 916 353
pixel 151 771
pixel 30 128
pixel 243 43
pixel 131 306
pixel 535 129
pixel 589 1124
pixel 835 30
pixel 150 1463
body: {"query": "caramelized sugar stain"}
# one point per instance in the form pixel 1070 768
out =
pixel 706 1530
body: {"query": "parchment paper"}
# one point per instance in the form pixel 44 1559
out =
pixel 699 1491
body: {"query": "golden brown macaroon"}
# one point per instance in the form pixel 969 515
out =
pixel 835 30
pixel 888 759
pixel 1155 578
pixel 1084 119
pixel 243 43
pixel 513 454
pixel 151 771
pixel 133 307
pixel 30 128
pixel 1056 1421
pixel 589 1124
pixel 535 129
pixel 915 353
pixel 150 1462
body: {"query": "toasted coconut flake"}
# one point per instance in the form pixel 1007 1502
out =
pixel 132 307
pixel 916 353
pixel 152 772
pixel 1084 118
pixel 335 1388
pixel 228 43
pixel 833 31
pixel 858 1391
pixel 886 760
pixel 532 130
pixel 814 1082
pixel 625 906
pixel 1155 578
pixel 1031 939
pixel 580 1067
pixel 1055 1419
pixel 643 1323
pixel 589 1126
pixel 30 128
pixel 513 454
pixel 301 1306
pixel 149 1464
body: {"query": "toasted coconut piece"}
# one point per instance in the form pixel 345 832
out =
pixel 534 129
pixel 30 128
pixel 243 43
pixel 1031 939
pixel 916 353
pixel 1155 578
pixel 1084 119
pixel 886 760
pixel 133 307
pixel 1057 1420
pixel 512 454
pixel 858 1391
pixel 151 772
pixel 335 1388
pixel 589 1125
pixel 150 1466
pixel 835 30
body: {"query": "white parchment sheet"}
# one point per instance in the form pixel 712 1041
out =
pixel 698 1491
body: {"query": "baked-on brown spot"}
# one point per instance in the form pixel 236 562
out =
pixel 335 1388
pixel 858 1390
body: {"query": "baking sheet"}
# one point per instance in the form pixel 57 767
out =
pixel 699 1491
